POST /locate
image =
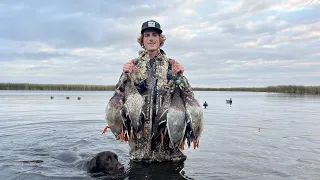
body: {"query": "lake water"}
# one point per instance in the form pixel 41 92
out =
pixel 260 136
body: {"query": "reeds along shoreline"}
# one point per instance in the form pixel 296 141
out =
pixel 82 87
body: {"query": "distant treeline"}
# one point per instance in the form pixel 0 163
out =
pixel 55 87
pixel 83 87
pixel 280 89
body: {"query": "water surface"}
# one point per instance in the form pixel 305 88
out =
pixel 260 136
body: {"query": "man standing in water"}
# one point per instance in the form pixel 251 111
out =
pixel 159 70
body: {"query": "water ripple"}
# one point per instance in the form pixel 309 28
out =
pixel 259 136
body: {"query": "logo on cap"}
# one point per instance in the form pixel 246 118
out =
pixel 151 24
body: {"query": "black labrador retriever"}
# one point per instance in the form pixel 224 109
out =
pixel 105 162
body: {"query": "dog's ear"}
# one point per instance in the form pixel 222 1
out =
pixel 93 164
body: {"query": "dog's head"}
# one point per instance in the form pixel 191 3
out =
pixel 106 162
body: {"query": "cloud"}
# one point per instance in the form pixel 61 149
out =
pixel 220 43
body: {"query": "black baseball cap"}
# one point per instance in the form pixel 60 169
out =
pixel 151 24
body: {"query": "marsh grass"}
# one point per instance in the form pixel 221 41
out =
pixel 83 87
pixel 280 89
pixel 55 87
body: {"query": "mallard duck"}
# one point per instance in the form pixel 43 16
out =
pixel 160 122
pixel 195 121
pixel 132 114
pixel 176 123
pixel 113 116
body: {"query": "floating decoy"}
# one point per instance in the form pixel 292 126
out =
pixel 52 97
pixel 229 101
pixel 67 97
pixel 205 104
pixel 79 98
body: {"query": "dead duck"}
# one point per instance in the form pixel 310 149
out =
pixel 159 130
pixel 195 121
pixel 176 124
pixel 132 114
pixel 113 116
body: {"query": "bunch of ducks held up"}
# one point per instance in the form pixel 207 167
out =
pixel 66 97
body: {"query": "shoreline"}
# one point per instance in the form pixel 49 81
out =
pixel 295 89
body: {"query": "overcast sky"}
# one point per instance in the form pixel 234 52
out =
pixel 227 43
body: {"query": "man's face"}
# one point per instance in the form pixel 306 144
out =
pixel 151 40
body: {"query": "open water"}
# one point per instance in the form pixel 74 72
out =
pixel 259 136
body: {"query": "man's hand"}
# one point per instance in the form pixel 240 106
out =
pixel 177 67
pixel 128 66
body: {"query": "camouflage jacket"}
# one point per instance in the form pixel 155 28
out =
pixel 153 87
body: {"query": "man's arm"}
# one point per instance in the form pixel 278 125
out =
pixel 127 67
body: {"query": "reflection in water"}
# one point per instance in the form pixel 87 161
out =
pixel 155 170
pixel 145 171
pixel 35 127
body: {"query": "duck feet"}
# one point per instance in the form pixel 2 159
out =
pixel 195 144
pixel 123 135
pixel 182 145
pixel 105 129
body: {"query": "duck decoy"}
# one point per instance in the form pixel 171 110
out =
pixel 79 98
pixel 67 97
pixel 52 97
pixel 229 101
pixel 205 104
